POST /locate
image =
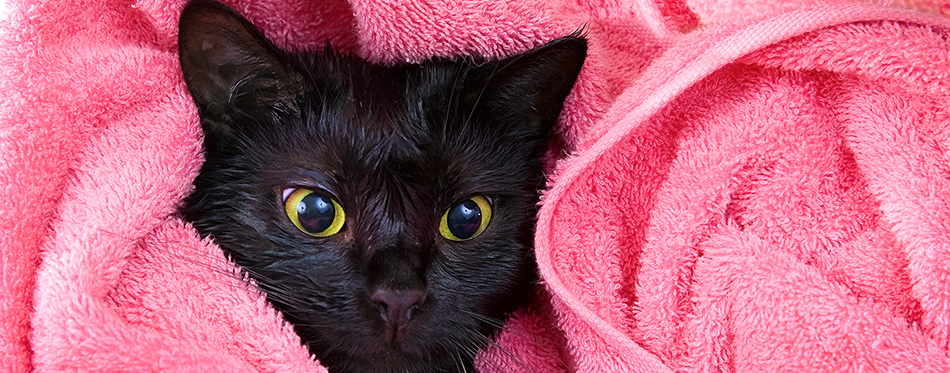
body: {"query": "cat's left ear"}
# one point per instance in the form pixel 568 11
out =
pixel 531 87
pixel 228 63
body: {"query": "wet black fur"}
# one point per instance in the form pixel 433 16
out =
pixel 396 146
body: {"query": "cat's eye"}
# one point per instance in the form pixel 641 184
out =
pixel 313 212
pixel 466 219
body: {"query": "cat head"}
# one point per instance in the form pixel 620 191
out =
pixel 386 211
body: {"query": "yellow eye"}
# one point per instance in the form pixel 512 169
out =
pixel 313 212
pixel 466 219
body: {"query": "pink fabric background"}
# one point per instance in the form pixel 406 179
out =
pixel 751 186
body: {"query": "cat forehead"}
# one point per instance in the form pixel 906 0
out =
pixel 410 122
pixel 371 84
pixel 361 103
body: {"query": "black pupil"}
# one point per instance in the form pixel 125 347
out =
pixel 464 219
pixel 315 213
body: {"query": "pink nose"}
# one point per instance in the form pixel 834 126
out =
pixel 396 306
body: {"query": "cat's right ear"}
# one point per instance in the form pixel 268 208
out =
pixel 229 66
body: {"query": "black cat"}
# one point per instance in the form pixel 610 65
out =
pixel 386 211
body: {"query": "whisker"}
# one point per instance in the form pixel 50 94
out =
pixel 296 304
pixel 546 350
pixel 487 341
pixel 460 362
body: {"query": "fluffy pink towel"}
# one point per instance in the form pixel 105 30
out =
pixel 767 195
pixel 773 196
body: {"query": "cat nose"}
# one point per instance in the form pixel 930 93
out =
pixel 397 306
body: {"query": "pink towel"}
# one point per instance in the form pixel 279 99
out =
pixel 772 194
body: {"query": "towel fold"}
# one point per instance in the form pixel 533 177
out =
pixel 769 196
pixel 767 192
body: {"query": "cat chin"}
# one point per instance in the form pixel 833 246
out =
pixel 396 360
pixel 425 345
pixel 407 352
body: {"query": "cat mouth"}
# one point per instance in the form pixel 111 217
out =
pixel 399 330
pixel 393 337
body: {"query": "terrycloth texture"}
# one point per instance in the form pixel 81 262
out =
pixel 771 194
pixel 715 11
